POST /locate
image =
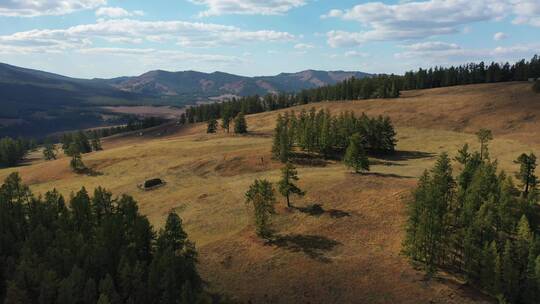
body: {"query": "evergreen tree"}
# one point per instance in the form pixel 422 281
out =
pixel 527 167
pixel 355 156
pixel 261 196
pixel 49 151
pixel 287 185
pixel 484 137
pixel 226 118
pixel 212 126
pixel 96 142
pixel 76 163
pixel 240 124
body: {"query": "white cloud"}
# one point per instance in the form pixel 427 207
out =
pixel 187 34
pixel 116 12
pixel 499 36
pixel 33 8
pixel 247 7
pixel 527 12
pixel 356 54
pixel 441 52
pixel 303 46
pixel 412 20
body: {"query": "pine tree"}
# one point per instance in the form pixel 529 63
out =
pixel 527 167
pixel 240 124
pixel 287 185
pixel 226 118
pixel 49 151
pixel 484 137
pixel 212 126
pixel 276 143
pixel 77 164
pixel 261 196
pixel 355 155
pixel 96 142
pixel 463 155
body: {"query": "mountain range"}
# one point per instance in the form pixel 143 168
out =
pixel 34 101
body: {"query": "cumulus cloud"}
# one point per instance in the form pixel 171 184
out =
pixel 247 7
pixel 116 12
pixel 412 20
pixel 527 12
pixel 442 52
pixel 32 8
pixel 189 34
pixel 499 36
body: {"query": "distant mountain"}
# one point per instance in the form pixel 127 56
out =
pixel 36 103
pixel 203 85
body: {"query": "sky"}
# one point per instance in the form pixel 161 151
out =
pixel 111 38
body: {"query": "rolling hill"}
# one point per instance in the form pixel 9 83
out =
pixel 36 103
pixel 348 254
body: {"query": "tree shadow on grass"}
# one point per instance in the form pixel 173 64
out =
pixel 307 159
pixel 314 246
pixel 317 210
pixel 379 174
pixel 406 155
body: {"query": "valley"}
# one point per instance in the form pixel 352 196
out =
pixel 348 253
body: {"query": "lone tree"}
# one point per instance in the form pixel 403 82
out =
pixel 355 155
pixel 49 151
pixel 286 185
pixel 484 137
pixel 226 118
pixel 212 126
pixel 527 166
pixel 76 163
pixel 261 195
pixel 240 124
pixel 96 143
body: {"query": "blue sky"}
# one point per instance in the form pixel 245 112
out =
pixel 110 38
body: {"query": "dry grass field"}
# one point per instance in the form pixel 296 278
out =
pixel 348 254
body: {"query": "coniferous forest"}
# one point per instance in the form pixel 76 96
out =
pixel 378 86
pixel 91 249
pixel 479 223
pixel 320 132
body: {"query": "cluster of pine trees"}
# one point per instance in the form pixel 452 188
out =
pixel 12 151
pixel 471 73
pixel 379 86
pixel 80 143
pixel 132 125
pixel 479 224
pixel 320 132
pixel 92 249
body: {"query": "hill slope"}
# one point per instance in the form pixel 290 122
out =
pixel 348 254
pixel 200 85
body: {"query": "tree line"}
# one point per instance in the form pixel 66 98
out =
pixel 479 224
pixel 12 151
pixel 377 86
pixel 91 249
pixel 320 132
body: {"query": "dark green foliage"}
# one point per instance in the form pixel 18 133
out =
pixel 98 250
pixel 355 155
pixel 240 124
pixel 261 196
pixel 481 226
pixel 328 135
pixel 12 151
pixel 484 137
pixel 287 185
pixel 49 150
pixel 212 126
pixel 76 162
pixel 96 142
pixel 527 167
pixel 226 117
pixel 76 143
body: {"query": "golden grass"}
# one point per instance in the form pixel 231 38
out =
pixel 349 254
